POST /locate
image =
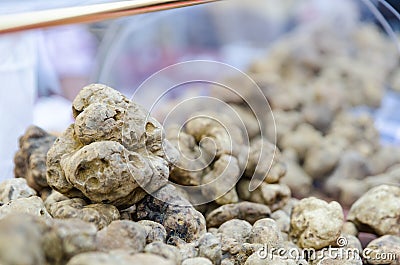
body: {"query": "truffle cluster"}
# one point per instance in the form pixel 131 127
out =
pixel 99 193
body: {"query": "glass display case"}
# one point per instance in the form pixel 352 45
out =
pixel 264 123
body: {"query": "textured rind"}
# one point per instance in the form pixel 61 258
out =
pixel 170 209
pixel 100 215
pixel 309 230
pixel 248 211
pixel 122 234
pixel 377 211
pixel 12 189
pixel 30 159
pixel 114 152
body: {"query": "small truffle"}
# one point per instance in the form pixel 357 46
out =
pixel 352 165
pixel 122 234
pixel 237 230
pixel 166 251
pixel 255 259
pixel 377 211
pixel 316 223
pixel 12 189
pixel 30 159
pixel 75 236
pixel 248 211
pixel 210 247
pixel 99 258
pixel 32 205
pixel 383 250
pixel 282 219
pixel 302 139
pixel 197 261
pixel 155 232
pixel 275 196
pixel 265 162
pixel 99 214
pixel 266 231
pixel 169 208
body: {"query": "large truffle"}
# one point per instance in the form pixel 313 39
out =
pixel 112 153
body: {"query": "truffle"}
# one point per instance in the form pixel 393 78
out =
pixel 112 153
pixel 30 159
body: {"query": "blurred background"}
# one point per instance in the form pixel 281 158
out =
pixel 41 71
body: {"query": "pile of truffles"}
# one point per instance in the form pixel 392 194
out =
pixel 322 84
pixel 111 188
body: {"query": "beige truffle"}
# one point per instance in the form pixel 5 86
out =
pixel 255 259
pixel 246 114
pixel 265 162
pixel 299 182
pixel 351 166
pixel 384 158
pixel 197 261
pixel 390 177
pixel 359 131
pixel 349 228
pixel 75 236
pixel 21 240
pixel 210 247
pixel 282 220
pixel 187 250
pixel 100 215
pixel 166 251
pixel 231 244
pixel 30 159
pixel 282 123
pixel 189 168
pixel 43 241
pixel 112 151
pixel 349 251
pixel 32 205
pixel 383 250
pixel 302 139
pixel 319 115
pixel 275 196
pixel 221 181
pixel 316 223
pixel 155 232
pixel 266 231
pixel 213 151
pixel 12 189
pixel 121 234
pixel 99 258
pixel 235 229
pixel 290 204
pixel 377 211
pixel 321 159
pixel 248 211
